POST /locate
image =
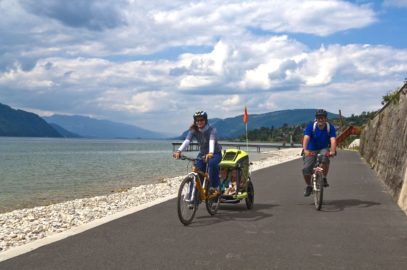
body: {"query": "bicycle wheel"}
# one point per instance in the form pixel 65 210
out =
pixel 318 189
pixel 187 201
pixel 250 195
pixel 212 205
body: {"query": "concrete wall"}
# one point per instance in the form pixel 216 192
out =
pixel 383 144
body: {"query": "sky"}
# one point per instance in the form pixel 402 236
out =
pixel 154 63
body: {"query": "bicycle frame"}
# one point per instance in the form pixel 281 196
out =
pixel 198 185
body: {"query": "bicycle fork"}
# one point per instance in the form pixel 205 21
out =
pixel 197 187
pixel 317 171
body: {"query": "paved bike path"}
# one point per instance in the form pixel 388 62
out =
pixel 359 227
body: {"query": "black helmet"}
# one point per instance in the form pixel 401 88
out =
pixel 201 114
pixel 321 112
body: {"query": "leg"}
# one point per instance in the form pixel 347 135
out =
pixel 307 172
pixel 325 161
pixel 309 162
pixel 214 169
pixel 201 165
pixel 325 165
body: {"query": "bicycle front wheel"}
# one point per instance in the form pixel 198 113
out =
pixel 187 201
pixel 318 189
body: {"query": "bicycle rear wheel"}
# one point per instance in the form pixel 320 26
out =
pixel 212 205
pixel 318 189
pixel 187 201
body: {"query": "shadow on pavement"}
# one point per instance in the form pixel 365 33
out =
pixel 232 212
pixel 340 205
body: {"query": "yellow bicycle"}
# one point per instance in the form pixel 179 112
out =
pixel 192 192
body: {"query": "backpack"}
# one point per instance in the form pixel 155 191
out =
pixel 328 127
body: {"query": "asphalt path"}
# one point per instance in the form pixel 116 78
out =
pixel 359 227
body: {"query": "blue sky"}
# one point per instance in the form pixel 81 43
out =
pixel 153 63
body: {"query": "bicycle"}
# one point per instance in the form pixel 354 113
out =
pixel 317 180
pixel 192 192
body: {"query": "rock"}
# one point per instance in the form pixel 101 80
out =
pixel 384 141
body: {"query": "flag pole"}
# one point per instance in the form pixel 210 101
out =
pixel 247 140
pixel 245 119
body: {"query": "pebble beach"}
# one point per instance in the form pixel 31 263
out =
pixel 24 226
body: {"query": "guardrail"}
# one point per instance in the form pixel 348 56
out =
pixel 239 145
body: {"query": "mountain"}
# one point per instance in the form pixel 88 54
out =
pixel 233 127
pixel 95 128
pixel 19 123
pixel 65 133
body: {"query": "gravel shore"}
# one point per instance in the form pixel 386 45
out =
pixel 24 226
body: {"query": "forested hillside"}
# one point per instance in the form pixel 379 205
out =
pixel 19 123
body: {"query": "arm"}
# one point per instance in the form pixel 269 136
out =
pixel 212 139
pixel 332 139
pixel 305 142
pixel 332 151
pixel 183 146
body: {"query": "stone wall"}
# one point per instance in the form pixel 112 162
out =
pixel 383 144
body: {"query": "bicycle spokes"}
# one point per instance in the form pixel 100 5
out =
pixel 187 201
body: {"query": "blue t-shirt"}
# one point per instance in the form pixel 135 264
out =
pixel 319 139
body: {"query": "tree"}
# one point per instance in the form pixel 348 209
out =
pixel 391 96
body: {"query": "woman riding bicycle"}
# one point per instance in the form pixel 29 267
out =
pixel 319 138
pixel 209 150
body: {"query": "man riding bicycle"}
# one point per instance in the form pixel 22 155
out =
pixel 319 138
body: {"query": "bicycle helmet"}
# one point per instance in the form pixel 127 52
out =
pixel 201 114
pixel 321 112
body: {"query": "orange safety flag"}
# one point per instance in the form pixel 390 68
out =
pixel 245 115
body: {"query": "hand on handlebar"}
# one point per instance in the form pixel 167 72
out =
pixel 208 156
pixel 308 153
pixel 331 154
pixel 177 155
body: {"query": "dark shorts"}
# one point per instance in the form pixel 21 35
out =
pixel 309 161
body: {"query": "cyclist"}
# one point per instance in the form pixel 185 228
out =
pixel 319 138
pixel 209 150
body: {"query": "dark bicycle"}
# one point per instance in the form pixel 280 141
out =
pixel 317 181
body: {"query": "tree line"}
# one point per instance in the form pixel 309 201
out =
pixel 294 133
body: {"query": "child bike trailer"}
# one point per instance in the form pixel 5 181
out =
pixel 235 182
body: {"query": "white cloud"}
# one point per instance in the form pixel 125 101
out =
pixel 137 103
pixel 231 101
pixel 156 58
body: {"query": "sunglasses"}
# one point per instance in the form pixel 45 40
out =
pixel 200 120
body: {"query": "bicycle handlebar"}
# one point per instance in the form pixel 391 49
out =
pixel 311 154
pixel 183 157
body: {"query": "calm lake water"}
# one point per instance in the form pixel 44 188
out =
pixel 42 171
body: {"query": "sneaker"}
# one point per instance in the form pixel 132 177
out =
pixel 308 191
pixel 213 193
pixel 326 182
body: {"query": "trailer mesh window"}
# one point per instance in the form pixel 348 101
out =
pixel 230 156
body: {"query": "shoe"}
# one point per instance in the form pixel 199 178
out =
pixel 214 193
pixel 326 182
pixel 308 191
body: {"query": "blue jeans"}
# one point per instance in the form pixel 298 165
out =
pixel 213 167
